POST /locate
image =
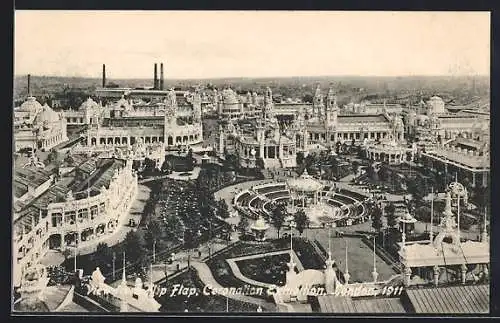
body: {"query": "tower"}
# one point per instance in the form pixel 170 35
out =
pixel 161 76
pixel 155 80
pixel 170 114
pixel 317 102
pixel 29 85
pixel 197 106
pixel 103 75
pixel 268 103
pixel 332 108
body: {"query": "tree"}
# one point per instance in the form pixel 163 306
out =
pixel 383 172
pixel 415 188
pixel 69 160
pixel 355 167
pixel 133 245
pixel 154 232
pixel 190 159
pixel 53 156
pixel 103 255
pixel 223 209
pixel 377 219
pixel 299 158
pixel 390 212
pixel 278 217
pixel 301 220
pixel 242 225
pixel 174 227
pixel 307 98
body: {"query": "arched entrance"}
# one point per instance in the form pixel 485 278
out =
pixel 55 241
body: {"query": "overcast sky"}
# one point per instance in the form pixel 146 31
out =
pixel 251 44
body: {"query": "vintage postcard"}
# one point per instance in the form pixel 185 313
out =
pixel 251 162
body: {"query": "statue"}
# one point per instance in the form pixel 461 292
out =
pixel 138 290
pixel 96 283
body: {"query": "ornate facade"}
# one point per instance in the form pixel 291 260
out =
pixel 80 212
pixel 173 120
pixel 314 125
pixel 37 126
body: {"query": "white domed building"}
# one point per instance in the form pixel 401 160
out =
pixel 89 112
pixel 37 126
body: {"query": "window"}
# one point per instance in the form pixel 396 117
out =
pixel 56 219
pixel 93 212
pixel 70 217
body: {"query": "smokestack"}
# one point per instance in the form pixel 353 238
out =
pixel 103 75
pixel 29 85
pixel 161 76
pixel 155 83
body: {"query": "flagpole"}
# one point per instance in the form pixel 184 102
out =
pixel 432 214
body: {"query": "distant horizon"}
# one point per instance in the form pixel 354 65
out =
pixel 255 77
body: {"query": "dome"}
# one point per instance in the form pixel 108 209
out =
pixel 122 103
pixel 406 218
pixel 47 115
pixel 305 183
pixel 229 96
pixel 30 105
pixel 89 104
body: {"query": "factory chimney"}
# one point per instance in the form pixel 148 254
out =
pixel 103 75
pixel 161 76
pixel 29 85
pixel 155 83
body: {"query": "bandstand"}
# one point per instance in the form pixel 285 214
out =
pixel 305 190
pixel 389 151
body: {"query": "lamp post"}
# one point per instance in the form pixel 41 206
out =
pixel 154 250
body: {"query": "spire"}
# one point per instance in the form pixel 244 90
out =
pixel 484 237
pixel 124 276
pixel 346 274
pixel 374 272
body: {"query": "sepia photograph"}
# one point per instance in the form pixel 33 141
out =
pixel 255 162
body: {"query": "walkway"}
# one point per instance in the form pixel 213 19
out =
pixel 208 279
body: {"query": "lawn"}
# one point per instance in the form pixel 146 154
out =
pixel 270 269
pixel 360 257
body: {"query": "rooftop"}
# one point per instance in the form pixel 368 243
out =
pixel 459 158
pixel 358 118
pixel 336 304
pixel 469 299
pixel 28 177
